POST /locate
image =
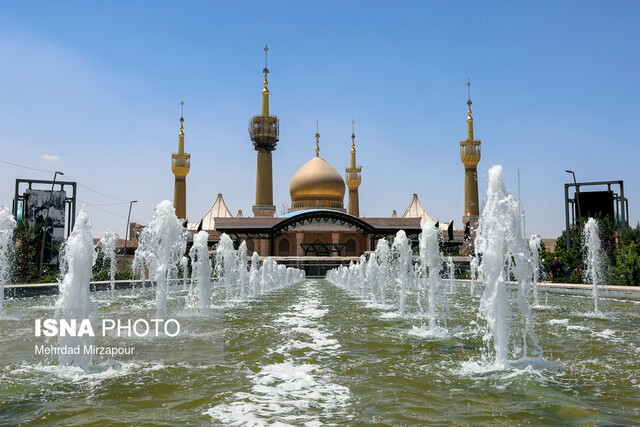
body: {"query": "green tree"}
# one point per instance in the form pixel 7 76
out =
pixel 626 270
pixel 630 234
pixel 570 259
pixel 27 238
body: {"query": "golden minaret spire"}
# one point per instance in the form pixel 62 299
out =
pixel 470 156
pixel 469 117
pixel 181 135
pixel 180 165
pixel 265 90
pixel 353 176
pixel 317 140
pixel 264 132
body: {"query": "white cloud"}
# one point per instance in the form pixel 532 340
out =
pixel 50 157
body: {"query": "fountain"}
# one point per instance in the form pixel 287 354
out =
pixel 108 245
pixel 254 275
pixel 7 227
pixel 74 305
pixel 161 245
pixel 383 257
pixel 201 272
pixel 402 247
pixel 594 271
pixel 184 266
pixel 372 279
pixel 243 273
pixel 317 353
pixel 535 247
pixel 431 266
pixel 474 264
pixel 452 273
pixel 504 253
pixel 500 243
pixel 226 266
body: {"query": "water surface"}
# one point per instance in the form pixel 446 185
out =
pixel 314 354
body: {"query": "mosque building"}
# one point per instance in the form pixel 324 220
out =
pixel 317 224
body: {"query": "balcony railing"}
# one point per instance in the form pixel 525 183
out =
pixel 264 131
pixel 469 148
pixel 353 175
pixel 180 161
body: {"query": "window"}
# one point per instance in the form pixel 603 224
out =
pixel 283 247
pixel 351 247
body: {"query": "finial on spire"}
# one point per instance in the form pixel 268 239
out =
pixel 182 116
pixel 266 70
pixel 317 140
pixel 353 133
pixel 266 50
pixel 469 99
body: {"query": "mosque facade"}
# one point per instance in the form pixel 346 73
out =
pixel 317 223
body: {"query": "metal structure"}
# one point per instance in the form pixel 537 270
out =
pixel 20 200
pixel 327 248
pixel 70 201
pixel 126 231
pixel 44 228
pixel 621 204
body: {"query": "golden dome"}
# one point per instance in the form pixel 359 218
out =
pixel 317 185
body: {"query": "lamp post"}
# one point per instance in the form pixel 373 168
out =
pixel 126 231
pixel 577 194
pixel 44 227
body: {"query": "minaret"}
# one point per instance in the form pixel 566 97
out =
pixel 263 130
pixel 353 176
pixel 180 165
pixel 470 156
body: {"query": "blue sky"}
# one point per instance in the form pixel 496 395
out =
pixel 98 84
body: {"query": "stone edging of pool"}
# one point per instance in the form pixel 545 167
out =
pixel 37 289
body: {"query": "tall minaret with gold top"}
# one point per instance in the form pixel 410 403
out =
pixel 263 130
pixel 180 165
pixel 470 156
pixel 353 176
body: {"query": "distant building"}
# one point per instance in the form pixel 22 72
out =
pixel 317 223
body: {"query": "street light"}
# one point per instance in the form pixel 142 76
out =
pixel 577 195
pixel 124 252
pixel 44 227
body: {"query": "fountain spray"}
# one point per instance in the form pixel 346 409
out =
pixel 161 245
pixel 431 265
pixel 7 227
pixel 500 243
pixel 201 274
pixel 74 303
pixel 535 247
pixel 402 246
pixel 108 246
pixel 594 262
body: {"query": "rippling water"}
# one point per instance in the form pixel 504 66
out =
pixel 314 354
